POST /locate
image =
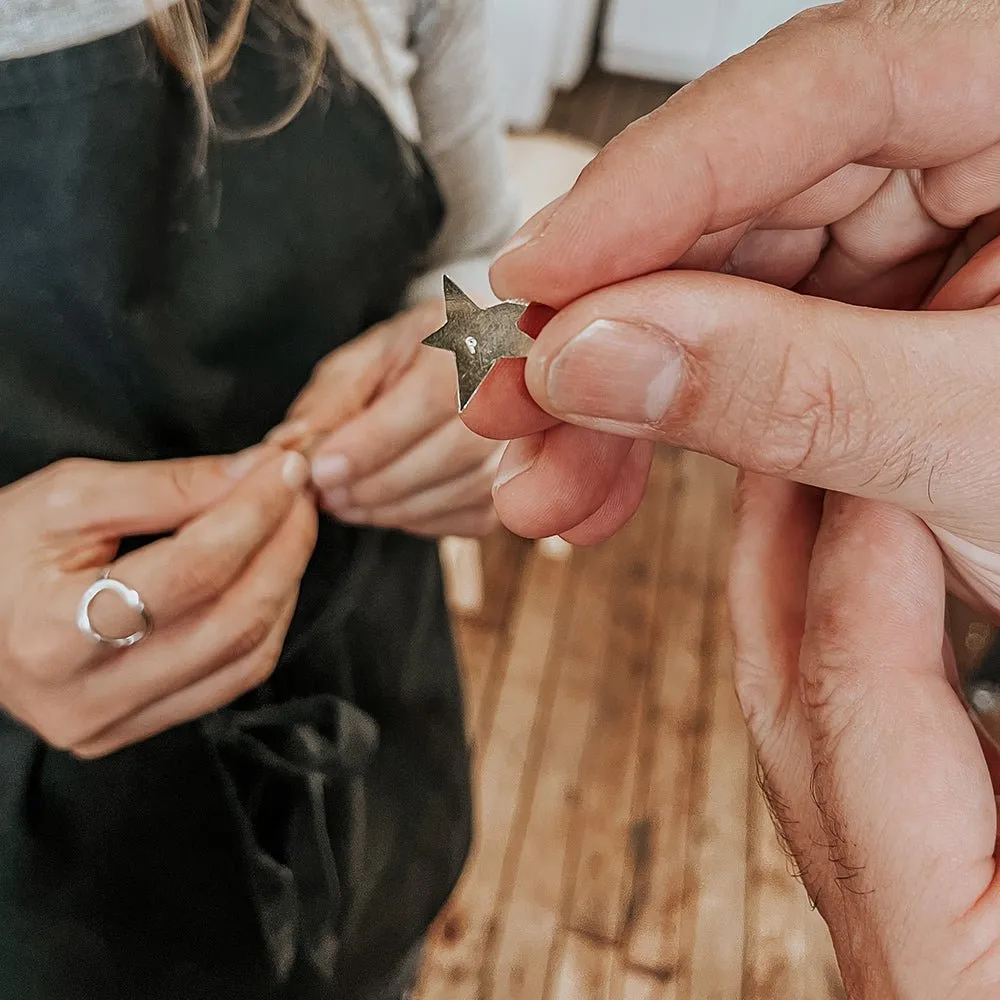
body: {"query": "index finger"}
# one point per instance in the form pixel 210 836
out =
pixel 833 86
pixel 176 575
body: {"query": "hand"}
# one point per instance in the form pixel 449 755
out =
pixel 796 164
pixel 221 590
pixel 873 769
pixel 380 420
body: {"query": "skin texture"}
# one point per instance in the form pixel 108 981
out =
pixel 872 768
pixel 794 266
pixel 223 585
pixel 774 248
pixel 222 588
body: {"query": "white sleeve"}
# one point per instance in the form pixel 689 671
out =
pixel 463 141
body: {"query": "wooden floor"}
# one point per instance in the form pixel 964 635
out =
pixel 624 851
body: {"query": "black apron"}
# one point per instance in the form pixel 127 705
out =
pixel 297 844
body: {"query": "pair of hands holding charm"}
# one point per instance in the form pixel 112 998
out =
pixel 386 448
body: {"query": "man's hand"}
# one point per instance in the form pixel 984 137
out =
pixel 873 769
pixel 852 155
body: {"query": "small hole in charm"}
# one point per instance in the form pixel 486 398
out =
pixel 471 343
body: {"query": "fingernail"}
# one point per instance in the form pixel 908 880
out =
pixel 519 456
pixel 239 465
pixel 532 229
pixel 295 471
pixel 617 372
pixel 287 433
pixel 329 471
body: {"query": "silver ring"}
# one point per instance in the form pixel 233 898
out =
pixel 105 582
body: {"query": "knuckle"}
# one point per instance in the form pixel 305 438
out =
pixel 203 575
pixel 260 667
pixel 252 632
pixel 807 414
pixel 832 694
pixel 33 652
pixel 67 484
pixel 214 552
pixel 181 481
pixel 244 523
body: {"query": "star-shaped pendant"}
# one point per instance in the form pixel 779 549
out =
pixel 478 338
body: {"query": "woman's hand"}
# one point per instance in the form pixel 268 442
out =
pixel 221 590
pixel 380 419
pixel 873 770
pixel 853 155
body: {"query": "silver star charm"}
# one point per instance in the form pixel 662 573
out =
pixel 478 338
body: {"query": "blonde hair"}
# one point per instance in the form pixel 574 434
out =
pixel 182 36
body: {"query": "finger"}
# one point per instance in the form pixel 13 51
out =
pixel 845 398
pixel 703 162
pixel 757 131
pixel 976 285
pixel 341 386
pixel 622 502
pixel 883 721
pixel 502 407
pixel 176 575
pixel 122 499
pixel 446 454
pixel 472 488
pixel 167 580
pixel 962 190
pixel 776 526
pixel 835 197
pixel 224 632
pixel 778 257
pixel 859 255
pixel 419 402
pixel 470 522
pixel 552 482
pixel 207 695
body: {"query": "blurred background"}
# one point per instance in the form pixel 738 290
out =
pixel 624 851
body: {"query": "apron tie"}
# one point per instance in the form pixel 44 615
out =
pixel 280 766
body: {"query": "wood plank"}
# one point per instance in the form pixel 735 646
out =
pixel 522 964
pixel 584 970
pixel 776 948
pixel 673 728
pixel 628 983
pixel 462 935
pixel 717 854
pixel 482 639
pixel 608 838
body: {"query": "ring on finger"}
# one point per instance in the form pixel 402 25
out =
pixel 106 583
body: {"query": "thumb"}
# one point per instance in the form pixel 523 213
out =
pixel 899 777
pixel 112 500
pixel 861 401
pixel 342 385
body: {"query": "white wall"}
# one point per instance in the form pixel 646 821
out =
pixel 538 46
pixel 678 40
